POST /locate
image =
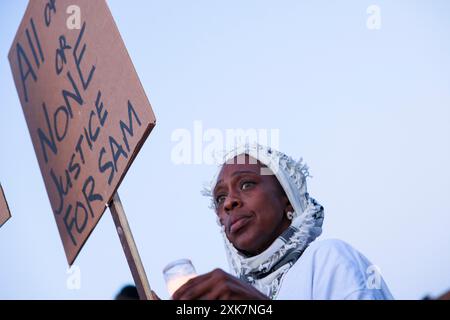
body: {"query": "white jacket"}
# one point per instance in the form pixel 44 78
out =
pixel 332 270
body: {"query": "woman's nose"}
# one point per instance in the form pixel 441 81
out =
pixel 232 202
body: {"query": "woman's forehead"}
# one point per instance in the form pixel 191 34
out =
pixel 240 164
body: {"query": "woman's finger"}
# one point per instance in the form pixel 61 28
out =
pixel 194 288
pixel 189 283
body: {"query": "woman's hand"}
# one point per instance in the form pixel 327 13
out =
pixel 217 285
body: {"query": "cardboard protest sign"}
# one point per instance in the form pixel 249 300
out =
pixel 5 214
pixel 85 108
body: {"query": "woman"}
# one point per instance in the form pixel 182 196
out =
pixel 269 224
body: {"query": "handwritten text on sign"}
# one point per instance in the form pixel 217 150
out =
pixel 85 108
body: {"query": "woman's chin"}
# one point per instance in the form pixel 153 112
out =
pixel 245 246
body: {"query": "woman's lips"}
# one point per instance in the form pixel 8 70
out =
pixel 239 224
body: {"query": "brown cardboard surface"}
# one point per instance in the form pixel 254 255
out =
pixel 5 214
pixel 85 108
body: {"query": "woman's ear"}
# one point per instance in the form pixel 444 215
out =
pixel 287 205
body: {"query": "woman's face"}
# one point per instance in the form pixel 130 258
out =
pixel 251 206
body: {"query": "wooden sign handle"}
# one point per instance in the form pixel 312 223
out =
pixel 130 249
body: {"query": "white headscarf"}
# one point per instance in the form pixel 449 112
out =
pixel 266 270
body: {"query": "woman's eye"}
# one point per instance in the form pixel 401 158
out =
pixel 247 185
pixel 220 199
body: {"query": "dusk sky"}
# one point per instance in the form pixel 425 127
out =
pixel 366 105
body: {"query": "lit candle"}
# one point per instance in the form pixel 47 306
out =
pixel 178 273
pixel 175 283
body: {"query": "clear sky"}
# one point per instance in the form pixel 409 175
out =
pixel 368 110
